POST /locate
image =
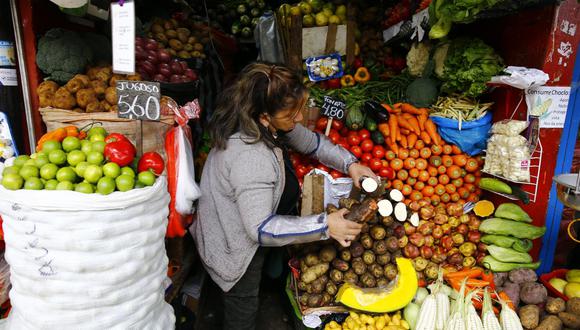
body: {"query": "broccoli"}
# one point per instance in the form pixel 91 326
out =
pixel 62 54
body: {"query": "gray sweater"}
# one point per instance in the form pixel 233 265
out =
pixel 241 188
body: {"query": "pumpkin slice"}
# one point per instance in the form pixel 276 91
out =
pixel 483 208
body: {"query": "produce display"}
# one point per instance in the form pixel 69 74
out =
pixel 155 63
pixel 393 321
pixel 91 162
pixel 508 153
pixel 91 92
pixel 314 12
pixel 182 39
pixel 247 15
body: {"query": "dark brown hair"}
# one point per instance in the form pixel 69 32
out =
pixel 260 88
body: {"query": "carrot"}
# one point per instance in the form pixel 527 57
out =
pixel 488 276
pixel 397 105
pixel 411 139
pixel 384 129
pixel 469 272
pixel 390 109
pixel 409 108
pixel 503 296
pixel 415 123
pixel 425 137
pixel 431 129
pixel 422 119
pixel 393 127
pixel 393 146
pixel 459 160
pixel 404 142
pixel 405 131
pixel 399 134
pixel 475 283
pixel 403 123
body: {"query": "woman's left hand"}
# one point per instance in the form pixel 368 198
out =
pixel 356 171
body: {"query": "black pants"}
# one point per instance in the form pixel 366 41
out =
pixel 242 302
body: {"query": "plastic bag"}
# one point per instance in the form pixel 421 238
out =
pixel 509 127
pixel 521 77
pixel 81 261
pixel 472 137
pixel 182 187
pixel 334 189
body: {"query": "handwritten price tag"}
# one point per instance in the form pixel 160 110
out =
pixel 333 108
pixel 138 100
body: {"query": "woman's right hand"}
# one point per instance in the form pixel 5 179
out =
pixel 342 230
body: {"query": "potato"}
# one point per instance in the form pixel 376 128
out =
pixel 111 95
pixel 550 323
pixel 314 272
pixel 533 293
pixel 350 276
pixel 570 320
pixel 368 280
pixel 359 266
pixel 376 270
pixel 340 265
pixel 345 255
pixel 86 96
pixel 314 300
pixel 47 86
pixel 331 288
pixel 45 99
pixel 326 299
pixel 302 286
pixel 337 276
pixel 369 257
pixel 378 232
pixel 356 249
pixel 99 87
pixel 311 259
pixel 317 286
pixel 94 107
pixel 555 305
pixel 573 306
pixel 380 247
pixel 530 316
pixel 390 271
pixel 347 203
pixel 384 259
pixel 104 74
pixel 327 254
pixel 63 99
pixel 304 299
pixel 106 106
pixel 366 241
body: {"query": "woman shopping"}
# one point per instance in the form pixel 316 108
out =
pixel 249 189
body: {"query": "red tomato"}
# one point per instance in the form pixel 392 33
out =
pixel 321 123
pixel 335 174
pixel 387 172
pixel 364 134
pixel 375 164
pixel 353 139
pixel 367 145
pixel 324 168
pixel 337 124
pixel 378 152
pixel 366 157
pixel 344 131
pixel 356 151
pixel 333 136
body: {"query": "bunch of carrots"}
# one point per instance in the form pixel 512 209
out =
pixel 477 279
pixel 406 125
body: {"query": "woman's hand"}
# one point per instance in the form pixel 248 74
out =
pixel 342 230
pixel 356 171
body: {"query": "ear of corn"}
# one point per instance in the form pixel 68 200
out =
pixel 490 321
pixel 473 321
pixel 509 320
pixel 427 314
pixel 442 310
pixel 457 319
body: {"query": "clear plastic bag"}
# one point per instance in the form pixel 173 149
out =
pixel 509 127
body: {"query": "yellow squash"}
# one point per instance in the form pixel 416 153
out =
pixel 382 300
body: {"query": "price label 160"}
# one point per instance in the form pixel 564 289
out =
pixel 138 100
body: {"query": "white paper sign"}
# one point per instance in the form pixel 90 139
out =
pixel 8 77
pixel 123 32
pixel 548 103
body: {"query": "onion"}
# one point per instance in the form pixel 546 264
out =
pixel 140 53
pixel 183 65
pixel 139 42
pixel 152 59
pixel 176 68
pixel 151 44
pixel 160 77
pixel 148 67
pixel 175 78
pixel 165 71
pixel 164 56
pixel 190 74
pixel 185 79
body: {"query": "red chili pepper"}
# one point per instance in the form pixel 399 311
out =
pixel 488 276
pixel 151 161
pixel 116 137
pixel 120 152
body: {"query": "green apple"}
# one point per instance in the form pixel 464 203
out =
pixel 75 157
pixel 28 171
pixel 93 173
pixel 20 160
pixel 98 146
pixel 84 187
pixel 57 157
pixel 71 143
pixel 95 158
pixel 111 170
pixel 97 130
pixel 51 145
pixel 50 184
pixel 80 169
pixel 558 284
pixel 11 169
pixel 48 171
pixel 66 174
pixel 12 181
pixel 146 177
pixel 128 171
pixel 106 185
pixel 125 182
pixel 33 184
pixel 65 185
pixel 97 137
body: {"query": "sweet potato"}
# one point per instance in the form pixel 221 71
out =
pixel 314 272
pixel 363 212
pixel 555 305
pixel 573 306
pixel 530 316
pixel 533 293
pixel 570 320
pixel 550 323
pixel 327 254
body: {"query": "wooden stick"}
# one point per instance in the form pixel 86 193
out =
pixel 328 126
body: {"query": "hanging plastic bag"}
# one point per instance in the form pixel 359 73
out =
pixel 183 189
pixel 472 136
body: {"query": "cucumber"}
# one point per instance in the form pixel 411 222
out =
pixel 370 124
pixel 495 185
pixel 378 138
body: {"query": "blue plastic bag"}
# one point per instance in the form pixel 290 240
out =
pixel 472 138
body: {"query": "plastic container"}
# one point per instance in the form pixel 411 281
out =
pixel 324 67
pixel 545 280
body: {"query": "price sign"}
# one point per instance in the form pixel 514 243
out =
pixel 333 108
pixel 138 100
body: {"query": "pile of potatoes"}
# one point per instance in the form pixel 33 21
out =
pixel 556 314
pixel 183 39
pixel 369 262
pixel 393 321
pixel 91 92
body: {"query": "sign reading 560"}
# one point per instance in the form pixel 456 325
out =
pixel 138 100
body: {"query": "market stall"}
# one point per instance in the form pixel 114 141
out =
pixel 451 104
